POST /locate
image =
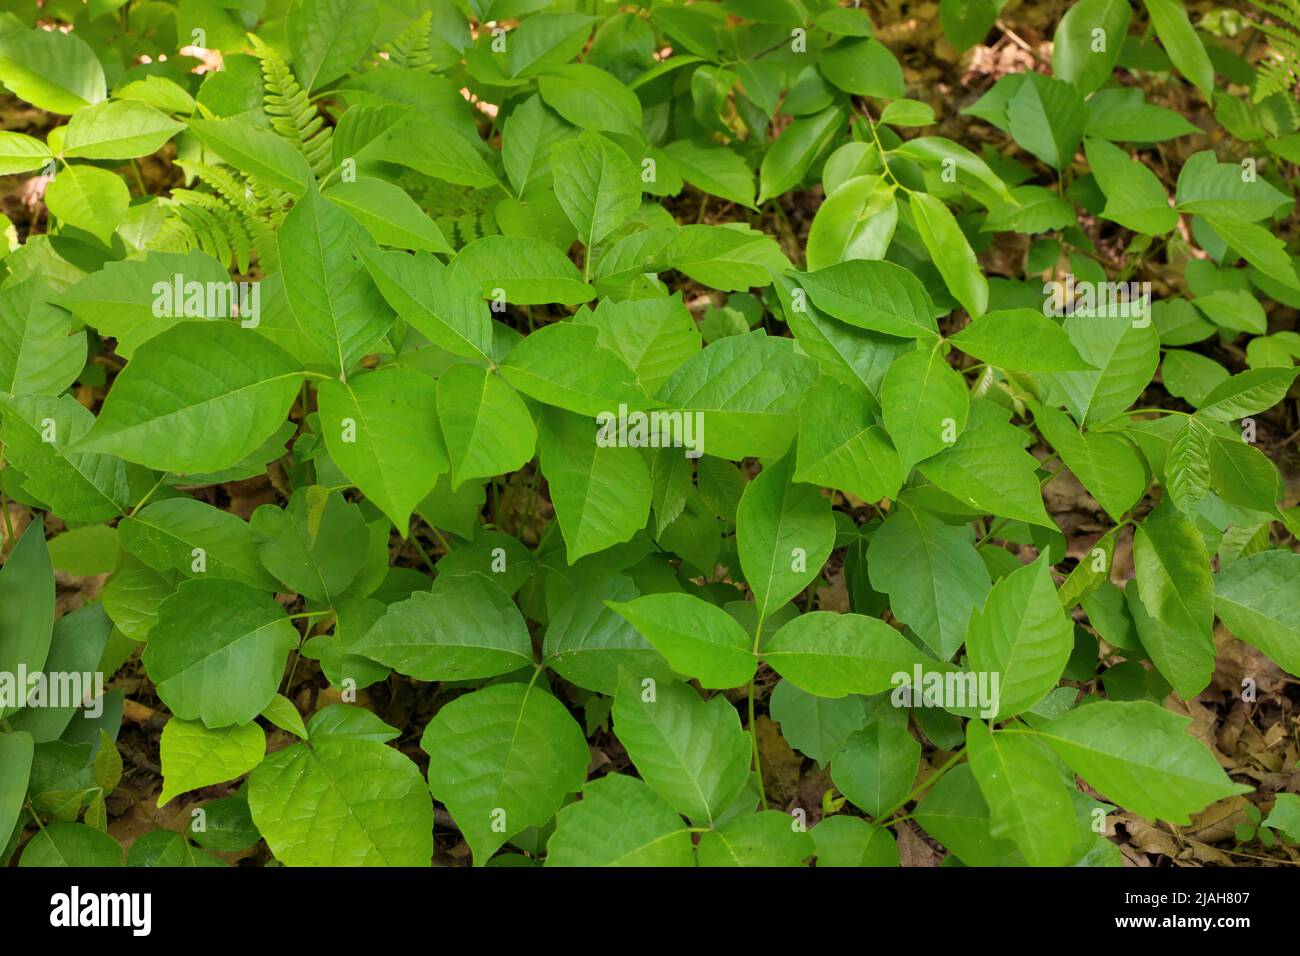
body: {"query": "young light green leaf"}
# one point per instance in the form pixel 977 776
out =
pixel 193 756
pixel 619 822
pixel 698 639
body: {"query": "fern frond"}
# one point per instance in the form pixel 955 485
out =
pixel 291 113
pixel 210 223
pixel 1281 73
pixel 410 48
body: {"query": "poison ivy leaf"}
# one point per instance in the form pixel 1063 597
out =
pixel 1047 117
pixel 765 839
pixel 1134 196
pixel 169 849
pixel 257 151
pixel 856 221
pixel 967 22
pixel 1028 801
pixel 389 215
pixel 1248 392
pixel 589 97
pixel 728 257
pixel 697 638
pixel 924 404
pixel 194 756
pixel 343 801
pixel 16 765
pixel 714 169
pixel 932 573
pixel 863 67
pixel 1022 634
pixel 71 845
pixel 596 184
pixel 1107 465
pixel 692 753
pixel 788 160
pixel 1187 467
pixel 1075 57
pixel 1020 339
pixel 37 355
pixel 784 532
pixel 601 494
pixel 875 295
pixel 1177 591
pixel 218 650
pixel 316 545
pixel 443 304
pixel 50 69
pixel 989 470
pixel 831 655
pixel 816 726
pixel 523 271
pixel 839 448
pixel 1125 355
pixel 876 768
pixel 486 425
pixel 26 606
pixel 1261 248
pixel 466 627
pixel 654 336
pixel 562 365
pixel 327 37
pixel 503 759
pixel 1140 757
pixel 20 153
pixel 89 198
pixel 951 252
pixel 619 822
pixel 1257 600
pixel 1182 44
pixel 118 129
pixel 381 428
pixel 165 414
pixel 851 841
pixel 196 539
pixel 955 813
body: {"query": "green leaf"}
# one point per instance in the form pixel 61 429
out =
pixel 71 845
pixel 1020 339
pixel 118 129
pixel 381 428
pixel 1141 757
pixel 831 655
pixel 1285 816
pixel 283 713
pixel 328 291
pixel 875 295
pixel 924 404
pixel 692 753
pixel 486 425
pixel 655 337
pixel 194 756
pixel 389 214
pixel 562 365
pixel 699 639
pixel 316 545
pixel 765 839
pixel 327 37
pixel 89 198
pixel 1177 591
pixel 20 153
pixel 26 606
pixel 788 160
pixel 856 221
pixel 1028 801
pixel 851 841
pixel 967 22
pixel 522 271
pixel 838 448
pixel 546 40
pixel 1261 248
pixel 728 257
pixel 601 494
pixel 1258 602
pixel 1047 117
pixel 932 573
pixel 784 533
pixel 596 184
pixel 465 628
pixel 1207 187
pixel 1134 195
pixel 619 822
pixel 1187 466
pixel 218 651
pixel 163 415
pixel 989 470
pixel 816 726
pixel 50 69
pixel 343 801
pixel 444 305
pixel 194 538
pixel 1182 44
pixel 15 769
pixel 876 768
pixel 589 97
pixel 1022 634
pixel 166 848
pixel 1248 392
pixel 257 151
pixel 951 252
pixel 503 759
pixel 714 169
pixel 1109 467
pixel 1074 58
pixel 1125 355
pixel 863 67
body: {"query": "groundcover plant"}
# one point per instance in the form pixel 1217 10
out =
pixel 763 432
